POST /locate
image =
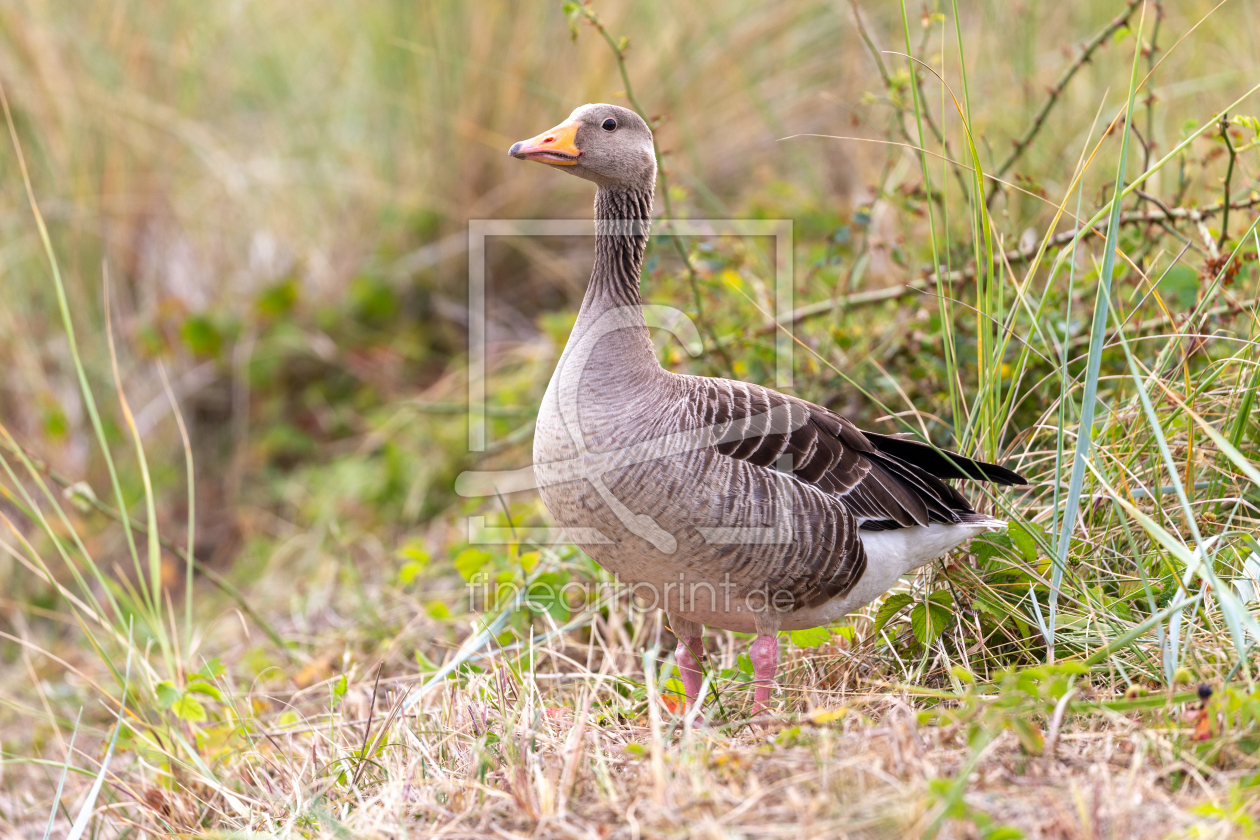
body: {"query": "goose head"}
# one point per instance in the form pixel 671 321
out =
pixel 606 144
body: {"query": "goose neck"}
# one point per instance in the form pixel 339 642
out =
pixel 622 219
pixel 611 333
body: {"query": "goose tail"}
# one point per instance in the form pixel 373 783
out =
pixel 941 463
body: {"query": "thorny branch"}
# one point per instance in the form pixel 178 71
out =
pixel 1052 98
pixel 1161 216
pixel 1229 174
pixel 890 85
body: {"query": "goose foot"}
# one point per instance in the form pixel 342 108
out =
pixel 764 653
pixel 689 654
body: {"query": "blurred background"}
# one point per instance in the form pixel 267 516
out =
pixel 270 202
pixel 258 213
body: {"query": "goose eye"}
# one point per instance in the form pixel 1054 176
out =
pixel 609 124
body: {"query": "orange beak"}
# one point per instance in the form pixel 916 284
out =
pixel 556 146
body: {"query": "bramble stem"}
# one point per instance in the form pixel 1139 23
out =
pixel 891 85
pixel 1056 91
pixel 1229 174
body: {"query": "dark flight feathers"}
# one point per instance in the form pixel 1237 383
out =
pixel 885 481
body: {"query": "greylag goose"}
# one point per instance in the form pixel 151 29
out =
pixel 729 504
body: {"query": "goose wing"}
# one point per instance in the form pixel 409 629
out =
pixel 884 481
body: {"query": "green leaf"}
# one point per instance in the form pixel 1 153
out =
pixel 1029 735
pixel 167 694
pixel 201 336
pixel 892 605
pixel 963 675
pixel 417 559
pixel 1003 832
pixel 189 708
pixel 929 619
pixel 812 637
pixel 558 610
pixel 278 299
pixel 339 690
pixel 992 545
pixel 469 561
pixel 212 670
pixel 438 610
pixel 207 689
pixel 573 13
pixel 1024 542
pixel 375 302
pixel 921 624
pixel 991 606
pixel 407 574
pixel 1248 122
pixel 414 551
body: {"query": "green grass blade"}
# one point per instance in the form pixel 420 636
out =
pixel 1097 339
pixel 65 770
pixel 1100 655
pixel 1244 464
pixel 942 305
pixel 85 813
pixel 1236 615
pixel 190 477
pixel 1228 609
pixel 470 648
pixel 1120 194
pixel 63 306
pixel 154 595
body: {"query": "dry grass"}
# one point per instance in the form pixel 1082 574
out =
pixel 280 192
pixel 559 749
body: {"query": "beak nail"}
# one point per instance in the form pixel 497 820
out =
pixel 555 147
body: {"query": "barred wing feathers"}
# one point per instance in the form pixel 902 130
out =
pixel 884 481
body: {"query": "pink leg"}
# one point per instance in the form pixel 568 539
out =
pixel 764 653
pixel 689 655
